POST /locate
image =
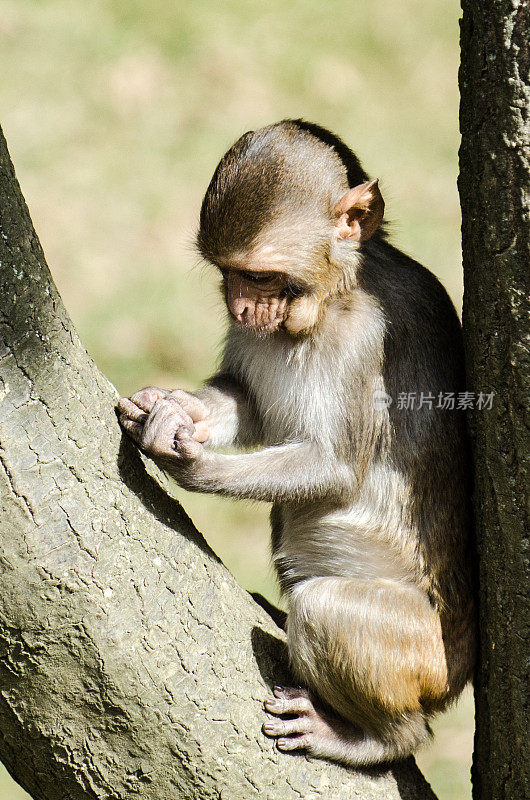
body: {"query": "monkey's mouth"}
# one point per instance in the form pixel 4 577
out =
pixel 264 329
pixel 260 324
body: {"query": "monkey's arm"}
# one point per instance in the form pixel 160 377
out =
pixel 285 472
pixel 289 471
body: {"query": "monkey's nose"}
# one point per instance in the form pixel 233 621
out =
pixel 239 306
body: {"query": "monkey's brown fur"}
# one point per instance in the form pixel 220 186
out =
pixel 370 517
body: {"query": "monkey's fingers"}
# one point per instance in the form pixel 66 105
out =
pixel 129 409
pixel 202 432
pixel 146 398
pixel 191 404
pixel 134 429
pixel 186 446
pixel 168 407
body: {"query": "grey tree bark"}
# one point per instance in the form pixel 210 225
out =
pixel 494 183
pixel 131 662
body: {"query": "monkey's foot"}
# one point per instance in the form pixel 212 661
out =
pixel 322 734
pixel 307 727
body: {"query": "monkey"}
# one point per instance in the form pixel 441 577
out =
pixel 328 326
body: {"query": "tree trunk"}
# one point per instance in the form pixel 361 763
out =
pixel 131 662
pixel 494 183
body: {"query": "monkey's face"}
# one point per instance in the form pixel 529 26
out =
pixel 257 300
pixel 291 269
pixel 275 284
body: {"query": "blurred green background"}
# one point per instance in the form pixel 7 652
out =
pixel 116 113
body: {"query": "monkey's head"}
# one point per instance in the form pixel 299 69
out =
pixel 283 219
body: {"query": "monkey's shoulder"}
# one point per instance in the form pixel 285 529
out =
pixel 410 295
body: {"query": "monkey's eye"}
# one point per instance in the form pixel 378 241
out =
pixel 258 277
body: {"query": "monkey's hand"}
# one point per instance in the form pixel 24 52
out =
pixel 138 407
pixel 166 433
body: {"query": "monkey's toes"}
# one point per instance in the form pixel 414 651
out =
pixel 293 733
pixel 289 701
pixel 286 727
pixel 308 727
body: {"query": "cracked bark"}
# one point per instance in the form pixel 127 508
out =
pixel 494 184
pixel 131 662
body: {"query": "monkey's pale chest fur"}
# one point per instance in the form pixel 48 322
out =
pixel 312 388
pixel 299 398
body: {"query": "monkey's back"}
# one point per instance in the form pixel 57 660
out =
pixel 424 365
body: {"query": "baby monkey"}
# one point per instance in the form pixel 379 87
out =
pixel 329 327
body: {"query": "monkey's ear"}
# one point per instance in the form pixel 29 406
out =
pixel 359 213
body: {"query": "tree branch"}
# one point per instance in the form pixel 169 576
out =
pixel 494 188
pixel 131 662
